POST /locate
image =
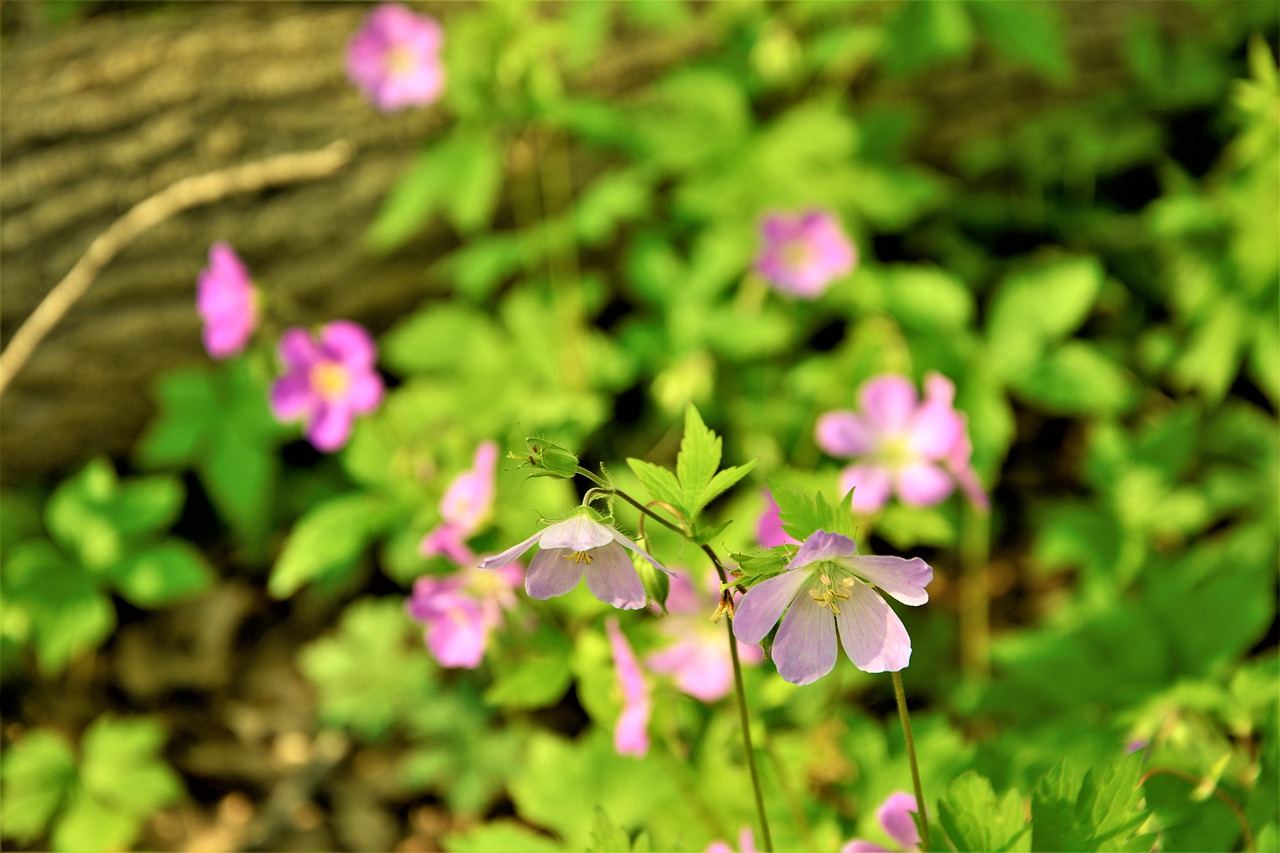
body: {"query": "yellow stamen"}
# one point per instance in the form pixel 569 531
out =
pixel 329 379
pixel 579 557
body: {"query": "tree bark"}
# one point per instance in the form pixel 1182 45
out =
pixel 98 116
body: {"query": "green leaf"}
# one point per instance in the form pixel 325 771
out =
pixel 975 820
pixel 927 298
pixel 697 463
pixel 802 515
pixel 1076 378
pixel 501 835
pixel 91 826
pixel 1053 809
pixel 122 767
pixel 328 540
pixel 661 483
pixel 538 680
pixel 1108 807
pixel 923 33
pixel 39 775
pixel 162 574
pixel 1036 307
pixel 67 613
pixel 1029 33
pixel 606 836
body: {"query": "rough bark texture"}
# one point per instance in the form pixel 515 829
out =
pixel 98 116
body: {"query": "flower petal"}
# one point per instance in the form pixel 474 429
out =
pixel 888 402
pixel 934 430
pixel 821 546
pixel 895 817
pixel 870 484
pixel 872 634
pixel 550 573
pixel 904 579
pixel 631 546
pixel 330 428
pixel 857 845
pixel 297 350
pixel 806 647
pixel 843 433
pixel 365 392
pixel 613 579
pixel 350 344
pixel 924 484
pixel 769 530
pixel 764 604
pixel 511 554
pixel 580 532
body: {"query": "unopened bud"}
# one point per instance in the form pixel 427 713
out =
pixel 550 459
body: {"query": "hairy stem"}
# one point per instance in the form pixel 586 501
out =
pixel 900 695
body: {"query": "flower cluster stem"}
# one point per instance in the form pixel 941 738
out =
pixel 900 695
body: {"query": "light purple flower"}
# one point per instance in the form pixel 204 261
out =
pixel 746 843
pixel 697 656
pixel 828 586
pixel 577 545
pixel 465 507
pixel 395 58
pixel 917 449
pixel 769 530
pixel 461 610
pixel 328 380
pixel 802 255
pixel 895 817
pixel 631 735
pixel 227 302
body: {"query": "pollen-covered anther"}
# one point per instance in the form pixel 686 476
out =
pixel 579 557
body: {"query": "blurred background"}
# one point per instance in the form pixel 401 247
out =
pixel 1069 209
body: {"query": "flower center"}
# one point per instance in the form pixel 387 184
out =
pixel 895 452
pixel 579 557
pixel 831 591
pixel 399 61
pixel 329 379
pixel 796 254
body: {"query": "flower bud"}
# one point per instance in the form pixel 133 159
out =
pixel 550 459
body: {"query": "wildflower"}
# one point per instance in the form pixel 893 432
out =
pixel 460 611
pixel 746 843
pixel 227 302
pixel 697 656
pixel 466 506
pixel 918 450
pixel 327 381
pixel 395 58
pixel 895 817
pixel 577 545
pixel 803 254
pixel 827 586
pixel 769 530
pixel 631 735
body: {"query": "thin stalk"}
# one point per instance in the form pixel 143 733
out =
pixel 746 737
pixel 901 696
pixel 975 605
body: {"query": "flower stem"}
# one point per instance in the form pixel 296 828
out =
pixel 745 720
pixel 901 696
pixel 975 606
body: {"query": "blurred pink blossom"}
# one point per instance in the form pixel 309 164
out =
pixel 896 818
pixel 746 843
pixel 697 656
pixel 631 735
pixel 227 302
pixel 802 255
pixel 328 380
pixel 769 532
pixel 464 508
pixel 395 58
pixel 461 611
pixel 917 449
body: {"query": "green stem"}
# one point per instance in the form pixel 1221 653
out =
pixel 901 696
pixel 975 605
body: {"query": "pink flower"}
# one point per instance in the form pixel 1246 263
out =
pixel 827 586
pixel 578 545
pixel 327 382
pixel 227 302
pixel 769 530
pixel 803 254
pixel 631 735
pixel 466 506
pixel 919 450
pixel 697 656
pixel 395 58
pixel 895 817
pixel 461 610
pixel 746 843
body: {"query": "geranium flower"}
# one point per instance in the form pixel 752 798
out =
pixel 895 817
pixel 697 656
pixel 460 611
pixel 580 544
pixel 395 58
pixel 769 532
pixel 227 302
pixel 328 380
pixel 631 735
pixel 464 508
pixel 746 843
pixel 801 255
pixel 827 586
pixel 917 450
